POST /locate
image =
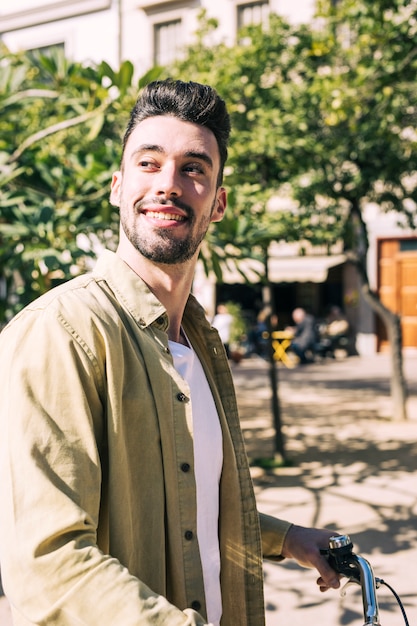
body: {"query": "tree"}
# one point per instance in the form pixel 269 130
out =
pixel 259 78
pixel 61 126
pixel 252 77
pixel 363 109
pixel 322 115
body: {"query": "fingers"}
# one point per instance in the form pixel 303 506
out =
pixel 325 586
pixel 329 579
pixel 322 586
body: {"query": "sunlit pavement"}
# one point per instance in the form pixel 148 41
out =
pixel 5 617
pixel 352 469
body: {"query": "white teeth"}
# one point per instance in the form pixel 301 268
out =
pixel 166 216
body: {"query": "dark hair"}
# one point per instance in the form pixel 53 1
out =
pixel 189 102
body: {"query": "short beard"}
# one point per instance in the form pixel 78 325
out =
pixel 166 250
pixel 172 253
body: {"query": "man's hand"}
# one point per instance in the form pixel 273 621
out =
pixel 303 545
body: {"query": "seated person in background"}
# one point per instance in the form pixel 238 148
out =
pixel 261 332
pixel 304 334
pixel 335 333
pixel 337 323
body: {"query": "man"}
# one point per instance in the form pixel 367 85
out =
pixel 305 335
pixel 125 493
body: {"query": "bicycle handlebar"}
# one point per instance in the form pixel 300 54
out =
pixel 358 570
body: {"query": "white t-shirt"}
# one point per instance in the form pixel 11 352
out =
pixel 208 462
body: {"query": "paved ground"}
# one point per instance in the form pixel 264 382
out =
pixel 352 469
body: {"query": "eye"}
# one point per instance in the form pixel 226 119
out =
pixel 146 164
pixel 196 168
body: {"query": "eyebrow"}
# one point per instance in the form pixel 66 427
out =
pixel 190 154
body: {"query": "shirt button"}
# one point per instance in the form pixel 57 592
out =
pixel 188 535
pixel 182 397
pixel 196 605
pixel 185 467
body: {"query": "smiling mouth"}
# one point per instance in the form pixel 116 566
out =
pixel 157 215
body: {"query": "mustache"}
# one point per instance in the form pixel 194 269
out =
pixel 174 202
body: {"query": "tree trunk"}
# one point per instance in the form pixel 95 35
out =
pixel 279 445
pixel 358 255
pixel 393 325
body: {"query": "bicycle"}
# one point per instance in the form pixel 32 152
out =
pixel 358 571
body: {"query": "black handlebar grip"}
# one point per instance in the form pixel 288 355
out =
pixel 341 557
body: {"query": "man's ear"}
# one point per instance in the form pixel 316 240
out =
pixel 220 205
pixel 115 188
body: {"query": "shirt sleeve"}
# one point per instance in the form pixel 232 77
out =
pixel 273 533
pixel 52 390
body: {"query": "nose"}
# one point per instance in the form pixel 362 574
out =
pixel 168 181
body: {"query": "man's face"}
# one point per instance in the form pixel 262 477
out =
pixel 167 189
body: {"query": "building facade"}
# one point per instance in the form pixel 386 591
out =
pixel 149 32
pixel 146 32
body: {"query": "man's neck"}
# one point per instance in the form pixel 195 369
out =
pixel 171 284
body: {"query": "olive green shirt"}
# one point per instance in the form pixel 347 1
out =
pixel 97 490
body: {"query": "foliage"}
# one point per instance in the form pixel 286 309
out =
pixel 322 115
pixel 61 124
pixel 364 110
pixel 324 119
pixel 264 79
pixel 238 328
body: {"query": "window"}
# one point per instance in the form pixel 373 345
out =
pixel 167 41
pixel 252 13
pixel 47 50
pixel 408 245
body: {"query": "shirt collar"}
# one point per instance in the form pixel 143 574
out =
pixel 130 290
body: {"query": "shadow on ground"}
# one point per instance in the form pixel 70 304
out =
pixel 352 469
